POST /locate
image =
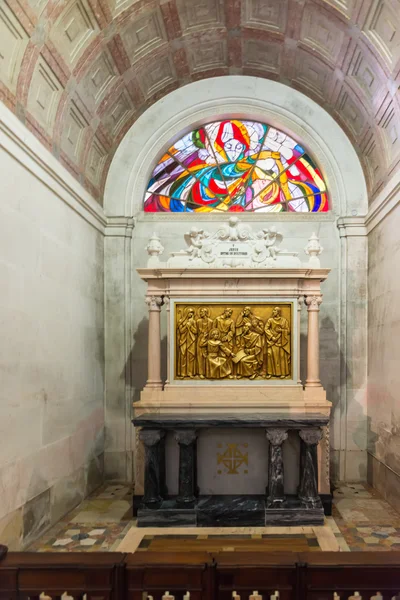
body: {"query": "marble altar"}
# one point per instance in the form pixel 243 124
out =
pixel 233 302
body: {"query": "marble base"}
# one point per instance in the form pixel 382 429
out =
pixel 292 512
pixel 229 511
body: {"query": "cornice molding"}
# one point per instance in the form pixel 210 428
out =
pixel 120 227
pixel 353 226
pixel 255 217
pixel 22 145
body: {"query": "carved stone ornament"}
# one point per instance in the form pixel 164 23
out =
pixel 311 435
pixel 151 437
pixel 276 437
pixel 185 436
pixel 154 250
pixel 313 302
pixel 313 250
pixel 154 302
pixel 234 244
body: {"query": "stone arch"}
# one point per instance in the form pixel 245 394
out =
pixel 238 96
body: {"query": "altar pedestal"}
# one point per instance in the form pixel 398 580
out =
pixel 272 508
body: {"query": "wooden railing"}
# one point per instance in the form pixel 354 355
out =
pixel 200 576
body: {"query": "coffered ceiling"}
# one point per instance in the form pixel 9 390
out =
pixel 79 72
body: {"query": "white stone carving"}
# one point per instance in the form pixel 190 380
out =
pixel 234 244
pixel 313 250
pixel 154 250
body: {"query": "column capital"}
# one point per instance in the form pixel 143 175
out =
pixel 300 302
pixel 154 303
pixel 167 302
pixel 311 435
pixel 313 302
pixel 151 437
pixel 185 436
pixel 276 436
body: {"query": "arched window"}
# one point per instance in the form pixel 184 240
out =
pixel 236 165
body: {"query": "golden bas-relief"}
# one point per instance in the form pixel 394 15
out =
pixel 233 341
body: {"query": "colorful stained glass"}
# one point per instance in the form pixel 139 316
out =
pixel 236 165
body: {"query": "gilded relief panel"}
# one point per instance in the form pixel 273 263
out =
pixel 233 341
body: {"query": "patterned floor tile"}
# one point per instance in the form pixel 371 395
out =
pixel 361 520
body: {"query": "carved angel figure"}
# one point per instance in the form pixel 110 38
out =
pixel 195 239
pixel 272 239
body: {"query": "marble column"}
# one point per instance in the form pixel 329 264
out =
pixel 308 488
pixel 162 463
pixel 187 440
pixel 313 303
pixel 151 439
pixel 300 302
pixel 167 304
pixel 276 493
pixel 154 349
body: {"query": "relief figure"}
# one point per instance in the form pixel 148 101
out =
pixel 257 325
pixel 244 317
pixel 277 335
pixel 226 326
pixel 218 363
pixel 204 326
pixel 247 358
pixel 235 342
pixel 186 340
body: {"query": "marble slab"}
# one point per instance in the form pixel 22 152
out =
pixel 230 511
pixel 176 421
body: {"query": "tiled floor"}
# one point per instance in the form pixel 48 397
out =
pixel 366 521
pixel 361 520
pixel 100 523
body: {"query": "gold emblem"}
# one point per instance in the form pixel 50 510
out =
pixel 235 341
pixel 233 458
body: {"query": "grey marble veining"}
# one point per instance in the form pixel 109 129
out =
pixel 226 511
pixel 177 421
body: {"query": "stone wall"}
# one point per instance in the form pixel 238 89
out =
pixel 52 341
pixel 384 353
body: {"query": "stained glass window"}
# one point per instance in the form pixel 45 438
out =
pixel 236 165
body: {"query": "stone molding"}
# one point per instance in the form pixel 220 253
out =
pixel 352 226
pixel 23 146
pixel 151 437
pixel 120 227
pixel 185 436
pixel 276 437
pixel 250 216
pixel 311 435
pixel 313 302
pixel 154 303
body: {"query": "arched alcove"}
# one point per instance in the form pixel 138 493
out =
pixel 341 232
pixel 239 97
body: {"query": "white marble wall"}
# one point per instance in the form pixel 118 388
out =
pixel 384 356
pixel 51 343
